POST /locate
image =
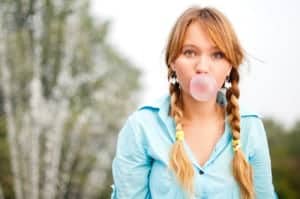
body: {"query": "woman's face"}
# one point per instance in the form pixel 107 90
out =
pixel 199 55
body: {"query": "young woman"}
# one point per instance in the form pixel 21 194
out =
pixel 196 141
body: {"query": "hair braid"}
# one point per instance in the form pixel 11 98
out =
pixel 179 160
pixel 242 170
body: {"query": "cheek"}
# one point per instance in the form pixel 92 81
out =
pixel 220 79
pixel 182 63
pixel 184 71
pixel 220 74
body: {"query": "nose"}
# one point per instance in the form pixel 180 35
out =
pixel 203 64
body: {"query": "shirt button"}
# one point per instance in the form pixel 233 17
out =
pixel 201 172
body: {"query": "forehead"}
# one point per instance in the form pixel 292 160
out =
pixel 196 36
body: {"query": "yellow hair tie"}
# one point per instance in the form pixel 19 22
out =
pixel 236 144
pixel 235 141
pixel 179 135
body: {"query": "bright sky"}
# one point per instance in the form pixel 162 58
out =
pixel 268 30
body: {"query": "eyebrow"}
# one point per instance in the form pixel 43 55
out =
pixel 194 46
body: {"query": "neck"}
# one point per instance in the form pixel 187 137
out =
pixel 194 110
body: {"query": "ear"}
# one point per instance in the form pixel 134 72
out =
pixel 172 65
pixel 229 70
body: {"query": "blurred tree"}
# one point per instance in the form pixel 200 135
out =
pixel 285 157
pixel 64 94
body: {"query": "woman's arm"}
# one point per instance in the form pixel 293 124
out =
pixel 261 162
pixel 131 164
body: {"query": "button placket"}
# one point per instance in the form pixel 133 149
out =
pixel 201 172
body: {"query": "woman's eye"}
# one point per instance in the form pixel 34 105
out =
pixel 189 53
pixel 218 55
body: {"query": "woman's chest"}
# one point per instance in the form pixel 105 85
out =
pixel 202 141
pixel 210 184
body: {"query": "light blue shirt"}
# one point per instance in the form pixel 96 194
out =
pixel 139 167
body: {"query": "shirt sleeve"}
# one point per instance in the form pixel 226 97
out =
pixel 261 162
pixel 131 164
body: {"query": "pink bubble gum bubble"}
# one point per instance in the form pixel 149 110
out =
pixel 203 87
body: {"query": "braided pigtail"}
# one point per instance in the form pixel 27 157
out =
pixel 242 170
pixel 179 161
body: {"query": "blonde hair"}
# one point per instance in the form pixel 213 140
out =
pixel 222 34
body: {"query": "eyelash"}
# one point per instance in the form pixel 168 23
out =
pixel 191 51
pixel 215 54
pixel 218 53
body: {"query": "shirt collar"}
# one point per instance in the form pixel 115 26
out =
pixel 162 105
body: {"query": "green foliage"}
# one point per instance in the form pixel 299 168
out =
pixel 285 157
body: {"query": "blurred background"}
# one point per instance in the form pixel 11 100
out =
pixel 72 70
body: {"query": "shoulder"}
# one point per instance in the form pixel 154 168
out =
pixel 152 107
pixel 155 103
pixel 246 112
pixel 253 132
pixel 250 118
pixel 140 123
pixel 252 127
pixel 147 112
